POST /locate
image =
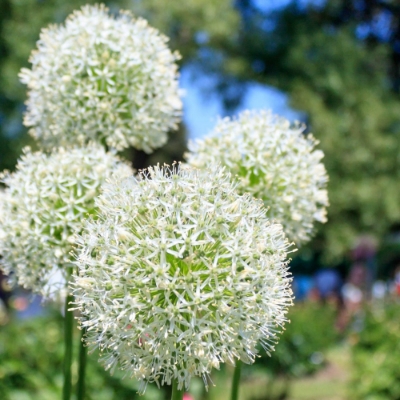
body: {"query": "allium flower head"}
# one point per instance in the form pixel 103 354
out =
pixel 102 78
pixel 180 273
pixel 274 162
pixel 45 202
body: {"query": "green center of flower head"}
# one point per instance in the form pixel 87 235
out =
pixel 267 186
pixel 176 251
pixel 65 207
pixel 180 273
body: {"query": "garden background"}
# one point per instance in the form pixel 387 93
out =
pixel 334 65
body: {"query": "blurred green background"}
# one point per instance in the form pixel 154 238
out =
pixel 338 61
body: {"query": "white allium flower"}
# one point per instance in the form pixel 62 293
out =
pixel 102 78
pixel 45 203
pixel 275 162
pixel 180 273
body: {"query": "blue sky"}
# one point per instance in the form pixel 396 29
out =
pixel 202 109
pixel 271 5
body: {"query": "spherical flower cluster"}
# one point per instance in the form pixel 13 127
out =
pixel 275 162
pixel 102 78
pixel 180 273
pixel 45 202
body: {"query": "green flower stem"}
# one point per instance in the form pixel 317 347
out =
pixel 176 394
pixel 68 335
pixel 236 381
pixel 80 392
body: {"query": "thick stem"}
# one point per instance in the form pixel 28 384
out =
pixel 176 394
pixel 68 335
pixel 236 381
pixel 80 390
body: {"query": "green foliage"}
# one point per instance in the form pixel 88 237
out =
pixel 31 365
pixel 375 356
pixel 301 348
pixel 31 357
pixel 189 27
pixel 341 83
pixel 356 120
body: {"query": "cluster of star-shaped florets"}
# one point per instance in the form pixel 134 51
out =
pixel 180 273
pixel 274 161
pixel 102 78
pixel 44 205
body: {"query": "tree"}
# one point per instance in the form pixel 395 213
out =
pixel 343 85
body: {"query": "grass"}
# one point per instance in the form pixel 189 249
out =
pixel 330 383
